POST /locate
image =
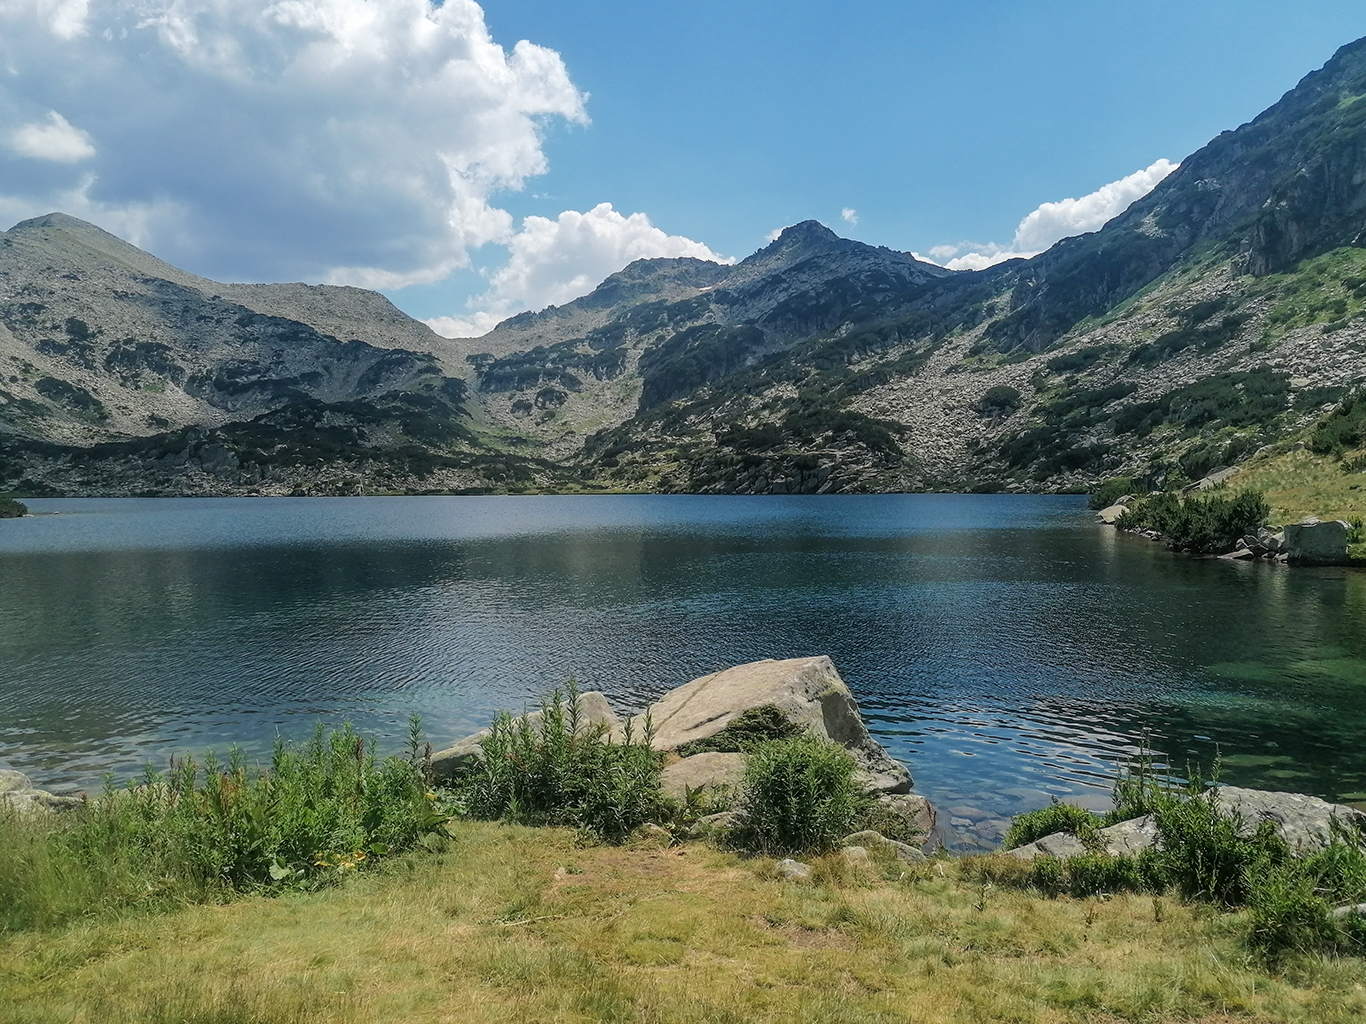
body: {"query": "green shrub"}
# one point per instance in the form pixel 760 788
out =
pixel 1203 524
pixel 1342 429
pixel 557 773
pixel 1205 857
pixel 1287 914
pixel 1056 817
pixel 744 732
pixel 11 509
pixel 997 401
pixel 204 832
pixel 798 796
pixel 1110 491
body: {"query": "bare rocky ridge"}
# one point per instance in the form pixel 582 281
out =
pixel 1213 319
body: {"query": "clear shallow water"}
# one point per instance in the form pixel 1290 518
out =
pixel 1005 647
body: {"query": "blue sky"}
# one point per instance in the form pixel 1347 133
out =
pixel 397 146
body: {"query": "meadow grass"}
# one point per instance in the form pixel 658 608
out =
pixel 514 924
pixel 1300 484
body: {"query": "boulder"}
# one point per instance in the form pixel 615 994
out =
pixel 713 824
pixel 1110 515
pixel 855 854
pixel 912 808
pixel 793 870
pixel 717 773
pixel 808 692
pixel 1304 822
pixel 1313 542
pixel 594 712
pixel 869 840
pixel 17 792
pixel 1351 910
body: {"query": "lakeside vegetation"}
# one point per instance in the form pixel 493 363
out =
pixel 336 886
pixel 12 509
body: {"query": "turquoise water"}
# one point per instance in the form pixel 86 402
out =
pixel 1005 647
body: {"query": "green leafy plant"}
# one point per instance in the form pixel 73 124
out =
pixel 1110 491
pixel 1056 817
pixel 744 732
pixel 798 796
pixel 12 509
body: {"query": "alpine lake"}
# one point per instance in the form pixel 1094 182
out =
pixel 1007 648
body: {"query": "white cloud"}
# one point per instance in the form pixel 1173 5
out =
pixel 1052 222
pixel 55 139
pixel 338 140
pixel 849 215
pixel 553 261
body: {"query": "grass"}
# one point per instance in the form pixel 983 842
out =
pixel 513 924
pixel 1299 484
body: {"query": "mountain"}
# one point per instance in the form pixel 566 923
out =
pixel 120 373
pixel 1217 316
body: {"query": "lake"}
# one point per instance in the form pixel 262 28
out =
pixel 1005 647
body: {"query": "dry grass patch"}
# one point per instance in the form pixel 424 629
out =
pixel 524 925
pixel 1300 484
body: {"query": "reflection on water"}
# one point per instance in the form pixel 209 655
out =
pixel 1005 647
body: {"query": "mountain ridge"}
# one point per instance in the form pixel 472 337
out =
pixel 1216 316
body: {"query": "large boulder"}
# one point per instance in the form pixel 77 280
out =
pixel 808 693
pixel 1127 837
pixel 1313 542
pixel 594 713
pixel 715 773
pixel 1304 822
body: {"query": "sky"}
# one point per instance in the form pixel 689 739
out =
pixel 472 161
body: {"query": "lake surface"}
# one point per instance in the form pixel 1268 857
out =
pixel 1006 647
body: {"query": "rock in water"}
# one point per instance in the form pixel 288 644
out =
pixel 1313 542
pixel 594 712
pixel 808 692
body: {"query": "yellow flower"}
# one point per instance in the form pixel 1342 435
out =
pixel 360 855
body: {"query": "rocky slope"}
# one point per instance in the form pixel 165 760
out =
pixel 1216 316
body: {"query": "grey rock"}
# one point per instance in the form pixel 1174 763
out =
pixel 17 792
pixel 870 840
pixel 1313 542
pixel 1239 555
pixel 912 808
pixel 594 713
pixel 1110 514
pixel 717 773
pixel 1059 844
pixel 855 854
pixel 1357 909
pixel 1304 822
pixel 807 691
pixel 794 870
pixel 713 824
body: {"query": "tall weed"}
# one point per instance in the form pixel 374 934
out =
pixel 556 772
pixel 798 796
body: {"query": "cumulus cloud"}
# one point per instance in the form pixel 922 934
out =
pixel 1052 222
pixel 849 215
pixel 55 139
pixel 553 261
pixel 337 140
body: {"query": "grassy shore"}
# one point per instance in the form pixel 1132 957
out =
pixel 1299 484
pixel 526 925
